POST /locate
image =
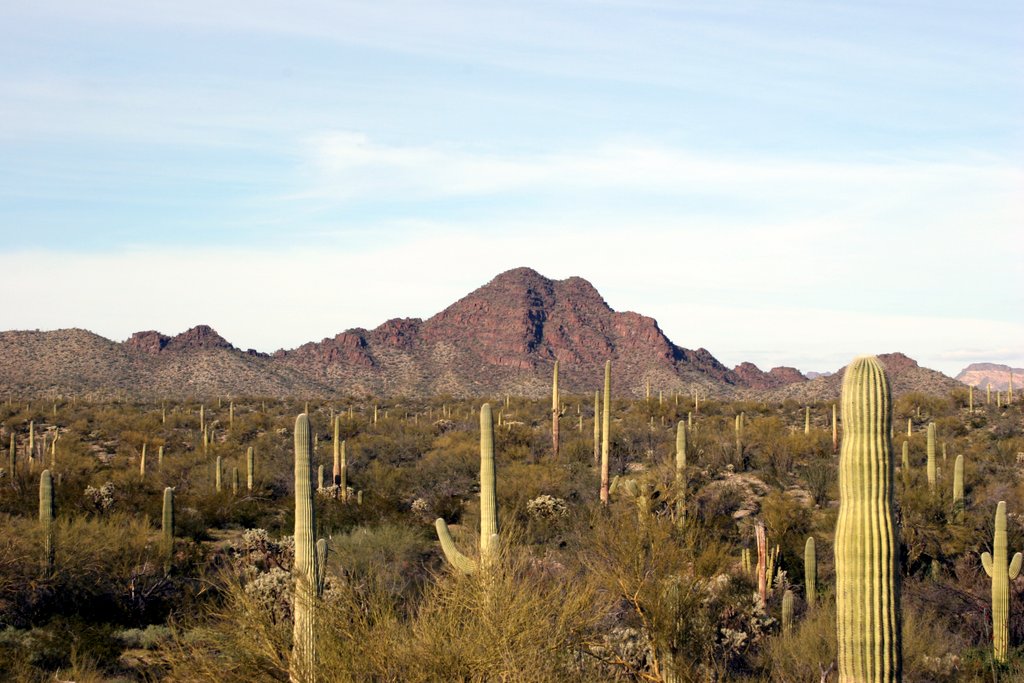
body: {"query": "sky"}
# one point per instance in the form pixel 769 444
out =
pixel 787 183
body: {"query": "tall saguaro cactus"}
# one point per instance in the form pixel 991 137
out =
pixel 250 467
pixel 46 518
pixel 958 489
pixel 555 412
pixel 606 419
pixel 488 505
pixel 302 668
pixel 680 471
pixel 931 456
pixel 868 616
pixel 597 428
pixel 167 523
pixel 996 566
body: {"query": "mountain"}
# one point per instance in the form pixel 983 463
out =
pixel 905 376
pixel 504 337
pixel 982 374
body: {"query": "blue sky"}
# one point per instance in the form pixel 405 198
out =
pixel 782 182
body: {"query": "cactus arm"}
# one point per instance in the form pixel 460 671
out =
pixel 986 562
pixel 451 553
pixel 1014 570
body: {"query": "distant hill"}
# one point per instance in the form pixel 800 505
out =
pixel 503 337
pixel 905 376
pixel 982 374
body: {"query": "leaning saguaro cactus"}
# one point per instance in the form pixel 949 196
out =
pixel 996 566
pixel 46 518
pixel 868 616
pixel 302 668
pixel 488 505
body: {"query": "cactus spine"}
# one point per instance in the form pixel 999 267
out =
pixel 866 547
pixel 606 419
pixel 488 505
pixel 931 456
pixel 250 467
pixel 810 572
pixel 46 518
pixel 958 489
pixel 996 567
pixel 680 471
pixel 302 667
pixel 555 412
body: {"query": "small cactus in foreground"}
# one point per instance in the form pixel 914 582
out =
pixel 488 505
pixel 868 620
pixel 996 566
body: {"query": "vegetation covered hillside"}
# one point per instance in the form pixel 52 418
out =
pixel 161 542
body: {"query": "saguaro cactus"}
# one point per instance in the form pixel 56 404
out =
pixel 218 467
pixel 555 412
pixel 931 456
pixel 597 427
pixel 680 471
pixel 958 488
pixel 787 611
pixel 762 562
pixel 167 522
pixel 866 547
pixel 606 419
pixel 810 572
pixel 488 505
pixel 12 460
pixel 835 431
pixel 996 566
pixel 250 467
pixel 46 518
pixel 302 667
pixel 807 419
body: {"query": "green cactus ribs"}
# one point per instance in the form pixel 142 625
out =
pixel 868 620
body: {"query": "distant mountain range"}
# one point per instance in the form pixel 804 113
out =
pixel 501 338
pixel 982 374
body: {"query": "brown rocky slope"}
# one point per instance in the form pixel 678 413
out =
pixel 501 338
